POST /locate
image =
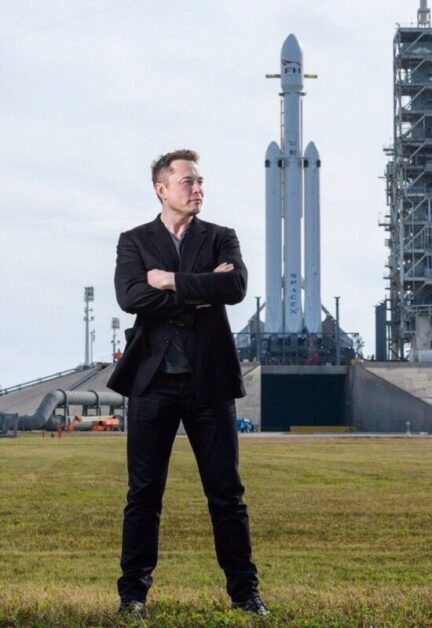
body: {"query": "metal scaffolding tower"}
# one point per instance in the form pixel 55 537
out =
pixel 409 192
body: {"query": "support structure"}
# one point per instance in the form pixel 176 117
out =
pixel 88 298
pixel 409 193
pixel 115 326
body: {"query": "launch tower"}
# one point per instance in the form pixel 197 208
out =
pixel 409 193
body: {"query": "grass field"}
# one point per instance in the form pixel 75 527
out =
pixel 342 533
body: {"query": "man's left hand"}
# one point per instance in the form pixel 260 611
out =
pixel 161 279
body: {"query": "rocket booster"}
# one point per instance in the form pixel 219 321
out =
pixel 312 272
pixel 273 195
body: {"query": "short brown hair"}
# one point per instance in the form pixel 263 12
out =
pixel 164 162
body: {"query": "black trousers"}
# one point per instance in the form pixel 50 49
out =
pixel 153 420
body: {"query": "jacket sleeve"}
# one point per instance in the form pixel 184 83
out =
pixel 215 288
pixel 134 295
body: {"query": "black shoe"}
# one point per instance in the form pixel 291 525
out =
pixel 133 608
pixel 253 604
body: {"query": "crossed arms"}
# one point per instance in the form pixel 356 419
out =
pixel 157 293
pixel 164 280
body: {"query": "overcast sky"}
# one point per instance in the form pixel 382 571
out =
pixel 93 90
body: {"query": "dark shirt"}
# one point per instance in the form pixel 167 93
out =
pixel 175 359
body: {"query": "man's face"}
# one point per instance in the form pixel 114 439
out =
pixel 181 190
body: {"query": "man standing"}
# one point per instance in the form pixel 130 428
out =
pixel 176 274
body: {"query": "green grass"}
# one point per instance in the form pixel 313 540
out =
pixel 342 533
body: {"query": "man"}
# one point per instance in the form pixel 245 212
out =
pixel 176 274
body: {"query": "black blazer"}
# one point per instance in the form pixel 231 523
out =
pixel 196 308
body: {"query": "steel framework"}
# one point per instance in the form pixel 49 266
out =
pixel 409 192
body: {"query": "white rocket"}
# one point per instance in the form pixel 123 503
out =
pixel 284 202
pixel 273 191
pixel 312 256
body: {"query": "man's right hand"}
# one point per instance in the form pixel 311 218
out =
pixel 225 267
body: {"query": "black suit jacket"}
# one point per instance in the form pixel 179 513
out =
pixel 205 331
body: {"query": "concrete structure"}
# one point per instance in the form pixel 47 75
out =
pixel 26 401
pixel 368 397
pixel 35 404
pixel 250 406
pixel 385 396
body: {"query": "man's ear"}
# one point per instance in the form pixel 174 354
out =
pixel 159 189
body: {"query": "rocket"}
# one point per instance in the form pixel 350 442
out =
pixel 273 201
pixel 288 172
pixel 312 257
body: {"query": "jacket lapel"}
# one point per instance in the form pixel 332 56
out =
pixel 194 239
pixel 162 241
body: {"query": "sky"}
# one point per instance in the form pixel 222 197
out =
pixel 92 91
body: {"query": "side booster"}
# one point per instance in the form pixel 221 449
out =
pixel 273 198
pixel 312 254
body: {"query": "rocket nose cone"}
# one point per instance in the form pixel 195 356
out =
pixel 291 64
pixel 273 152
pixel 311 152
pixel 291 50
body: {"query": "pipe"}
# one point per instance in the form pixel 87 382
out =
pixel 43 416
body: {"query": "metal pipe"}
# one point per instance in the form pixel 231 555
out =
pixel 43 416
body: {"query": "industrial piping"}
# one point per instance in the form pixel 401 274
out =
pixel 43 418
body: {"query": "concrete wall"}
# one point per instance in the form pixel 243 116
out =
pixel 250 406
pixel 380 406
